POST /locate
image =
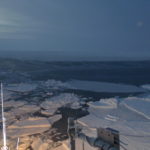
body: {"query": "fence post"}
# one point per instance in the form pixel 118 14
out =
pixel 71 133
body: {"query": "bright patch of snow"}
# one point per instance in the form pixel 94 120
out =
pixel 138 105
pixel 104 103
pixel 62 100
pixel 111 118
pixel 130 118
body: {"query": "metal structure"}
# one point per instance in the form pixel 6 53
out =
pixel 4 147
pixel 71 133
pixel 107 139
pixel 17 147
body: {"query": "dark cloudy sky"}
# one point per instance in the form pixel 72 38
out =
pixel 85 28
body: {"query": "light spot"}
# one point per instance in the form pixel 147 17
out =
pixel 140 24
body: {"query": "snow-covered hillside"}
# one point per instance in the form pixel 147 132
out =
pixel 130 116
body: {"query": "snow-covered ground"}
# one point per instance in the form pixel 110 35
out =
pixel 131 118
pixel 138 105
pixel 62 100
pixel 104 103
pixel 104 87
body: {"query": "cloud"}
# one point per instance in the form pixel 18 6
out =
pixel 17 26
pixel 140 24
pixel 79 27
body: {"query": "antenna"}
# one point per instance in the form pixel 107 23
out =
pixel 4 147
pixel 17 148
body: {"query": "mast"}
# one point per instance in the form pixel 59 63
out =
pixel 3 121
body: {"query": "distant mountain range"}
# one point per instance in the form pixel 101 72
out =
pixel 67 56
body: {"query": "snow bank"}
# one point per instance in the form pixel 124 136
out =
pixel 131 118
pixel 104 87
pixel 104 103
pixel 62 100
pixel 138 105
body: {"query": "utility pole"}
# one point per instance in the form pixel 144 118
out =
pixel 71 133
pixel 4 147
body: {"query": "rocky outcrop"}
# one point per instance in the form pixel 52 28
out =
pixel 39 145
pixel 28 127
pixel 25 143
pixel 35 120
pixel 54 119
pixel 62 100
pixel 14 104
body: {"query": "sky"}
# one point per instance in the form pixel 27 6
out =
pixel 75 29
